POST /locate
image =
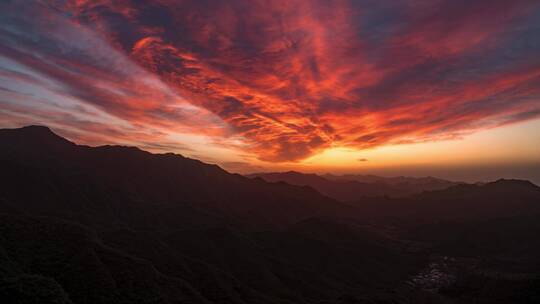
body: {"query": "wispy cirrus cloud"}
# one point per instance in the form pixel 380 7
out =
pixel 56 71
pixel 283 80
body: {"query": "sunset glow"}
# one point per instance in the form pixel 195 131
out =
pixel 319 86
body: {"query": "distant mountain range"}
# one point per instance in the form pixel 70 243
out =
pixel 116 224
pixel 355 187
pixel 502 198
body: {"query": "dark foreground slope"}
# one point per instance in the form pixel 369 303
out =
pixel 119 225
pixel 481 240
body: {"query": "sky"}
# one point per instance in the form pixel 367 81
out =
pixel 449 88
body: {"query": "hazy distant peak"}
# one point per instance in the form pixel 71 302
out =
pixel 512 182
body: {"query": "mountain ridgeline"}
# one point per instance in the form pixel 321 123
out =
pixel 116 224
pixel 354 187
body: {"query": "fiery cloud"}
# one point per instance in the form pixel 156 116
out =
pixel 288 79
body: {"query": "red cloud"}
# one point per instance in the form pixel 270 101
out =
pixel 296 77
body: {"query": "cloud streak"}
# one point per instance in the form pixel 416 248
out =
pixel 283 80
pixel 56 71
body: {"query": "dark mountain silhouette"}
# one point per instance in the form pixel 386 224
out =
pixel 101 180
pixel 161 227
pixel 116 224
pixel 354 187
pixel 339 190
pixel 502 198
pixel 407 185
